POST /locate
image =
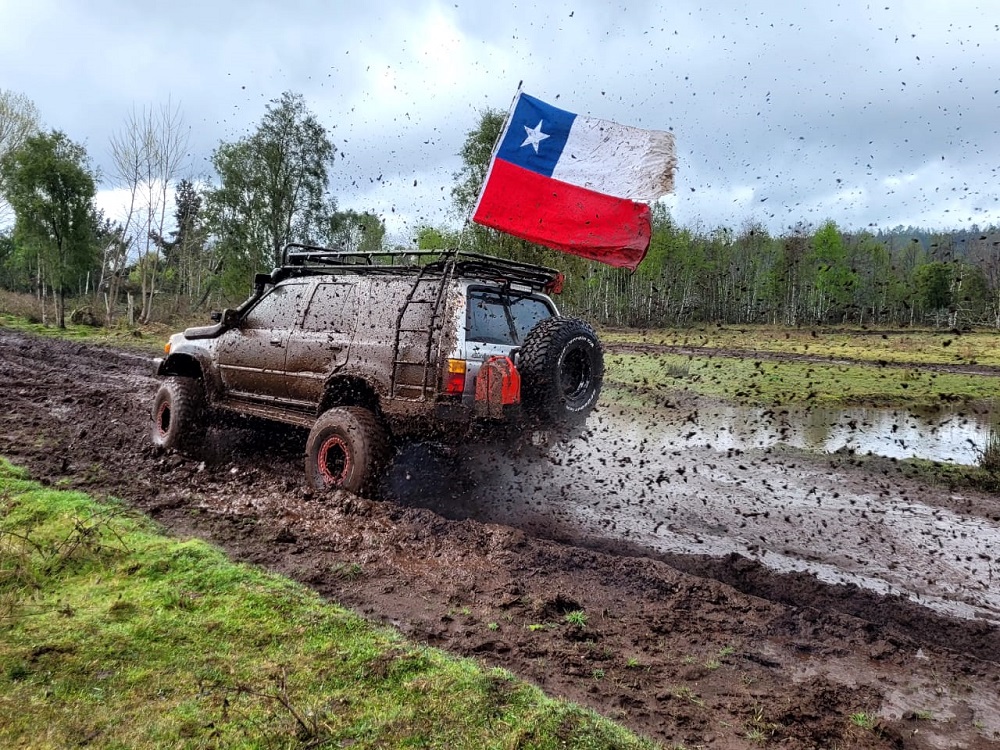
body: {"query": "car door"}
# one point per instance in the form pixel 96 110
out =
pixel 323 342
pixel 251 355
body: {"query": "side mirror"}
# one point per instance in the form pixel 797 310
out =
pixel 230 318
pixel 215 316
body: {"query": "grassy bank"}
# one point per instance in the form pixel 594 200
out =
pixel 145 339
pixel 651 377
pixel 898 346
pixel 115 636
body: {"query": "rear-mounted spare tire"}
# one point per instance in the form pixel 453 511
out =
pixel 562 368
pixel 347 449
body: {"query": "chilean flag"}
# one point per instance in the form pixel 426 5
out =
pixel 576 184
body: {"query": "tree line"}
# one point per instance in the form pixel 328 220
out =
pixel 158 260
pixel 824 276
pixel 185 243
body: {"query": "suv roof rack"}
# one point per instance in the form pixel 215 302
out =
pixel 298 259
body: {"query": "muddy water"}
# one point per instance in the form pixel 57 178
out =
pixel 941 434
pixel 694 483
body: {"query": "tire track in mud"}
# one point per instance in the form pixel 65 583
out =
pixel 766 544
pixel 811 652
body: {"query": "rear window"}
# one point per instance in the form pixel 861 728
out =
pixel 496 318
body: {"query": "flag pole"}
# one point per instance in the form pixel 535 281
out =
pixel 496 144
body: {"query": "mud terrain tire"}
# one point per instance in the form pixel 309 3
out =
pixel 347 449
pixel 179 416
pixel 562 368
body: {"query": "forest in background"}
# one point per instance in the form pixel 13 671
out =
pixel 187 244
pixel 809 276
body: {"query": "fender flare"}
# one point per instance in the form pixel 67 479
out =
pixel 175 364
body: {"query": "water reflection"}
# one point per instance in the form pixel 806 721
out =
pixel 941 434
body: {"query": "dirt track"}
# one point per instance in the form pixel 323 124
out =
pixel 714 649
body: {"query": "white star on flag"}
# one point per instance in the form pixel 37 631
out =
pixel 535 136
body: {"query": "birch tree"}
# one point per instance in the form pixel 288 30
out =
pixel 356 232
pixel 18 119
pixel 272 191
pixel 148 157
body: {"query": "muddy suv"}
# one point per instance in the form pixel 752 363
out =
pixel 368 349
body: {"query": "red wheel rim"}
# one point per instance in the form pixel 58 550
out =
pixel 334 461
pixel 163 419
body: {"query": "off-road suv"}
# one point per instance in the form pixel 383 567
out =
pixel 365 349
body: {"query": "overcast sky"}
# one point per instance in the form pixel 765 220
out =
pixel 873 114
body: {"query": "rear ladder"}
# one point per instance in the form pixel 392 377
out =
pixel 403 384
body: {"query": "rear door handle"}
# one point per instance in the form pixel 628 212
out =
pixel 276 342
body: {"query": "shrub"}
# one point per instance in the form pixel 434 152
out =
pixel 989 455
pixel 21 305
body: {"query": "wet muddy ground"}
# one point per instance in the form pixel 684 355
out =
pixel 733 598
pixel 951 433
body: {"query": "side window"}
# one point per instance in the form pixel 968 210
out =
pixel 332 308
pixel 527 311
pixel 279 308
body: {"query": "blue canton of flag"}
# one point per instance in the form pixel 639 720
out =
pixel 536 135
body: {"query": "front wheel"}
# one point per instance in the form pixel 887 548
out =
pixel 347 449
pixel 179 414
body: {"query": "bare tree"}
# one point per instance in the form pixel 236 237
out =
pixel 148 155
pixel 18 119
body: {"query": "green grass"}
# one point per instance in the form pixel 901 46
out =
pixel 989 454
pixel 952 476
pixel 652 377
pixel 899 346
pixel 149 339
pixel 649 379
pixel 864 720
pixel 116 636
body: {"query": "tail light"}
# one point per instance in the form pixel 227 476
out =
pixel 555 286
pixel 454 379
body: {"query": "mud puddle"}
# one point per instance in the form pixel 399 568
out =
pixel 944 433
pixel 670 494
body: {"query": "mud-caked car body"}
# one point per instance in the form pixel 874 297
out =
pixel 364 350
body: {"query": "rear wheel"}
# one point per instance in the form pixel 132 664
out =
pixel 347 449
pixel 562 369
pixel 179 414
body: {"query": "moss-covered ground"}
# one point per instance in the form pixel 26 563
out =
pixel 113 635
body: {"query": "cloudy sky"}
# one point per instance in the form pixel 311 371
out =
pixel 873 114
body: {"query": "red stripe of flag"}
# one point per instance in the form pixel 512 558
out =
pixel 564 217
